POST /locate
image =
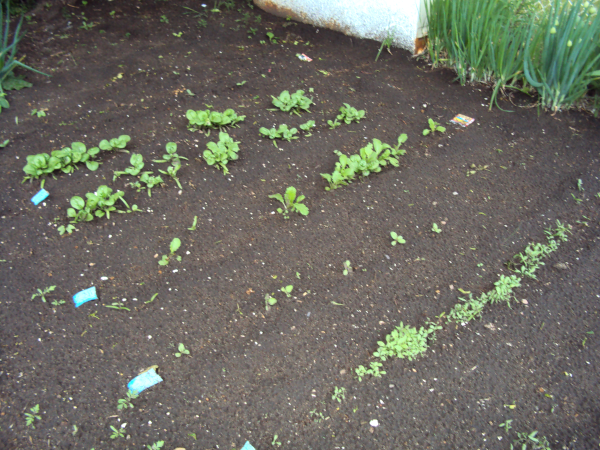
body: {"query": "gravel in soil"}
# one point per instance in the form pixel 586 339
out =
pixel 251 373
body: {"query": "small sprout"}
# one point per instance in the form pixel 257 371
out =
pixel 580 185
pixel 291 203
pixel 68 229
pixel 397 239
pixel 157 445
pixel 43 293
pixel 506 425
pixel 436 229
pixel 182 351
pixel 31 416
pixel 269 301
pixel 339 394
pixel 124 403
pixel 347 267
pixel 287 290
pixel 173 247
pixel 118 432
pixel 193 227
pixel 433 127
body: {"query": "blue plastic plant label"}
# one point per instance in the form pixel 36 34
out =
pixel 40 196
pixel 144 380
pixel 247 446
pixel 85 296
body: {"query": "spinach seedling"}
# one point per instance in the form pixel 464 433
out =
pixel 32 415
pixel 347 268
pixel 222 152
pixel 307 126
pixel 272 38
pixel 116 143
pixel 269 301
pixel 193 227
pixel 98 204
pixel 212 119
pixel 287 290
pixel 171 156
pixel 290 203
pixel 348 114
pixel 182 351
pixel 292 103
pixel 43 293
pixel 137 164
pixel 124 403
pixel 333 124
pixel 38 112
pixel 433 127
pixel 173 247
pixel 283 132
pixel 150 181
pixel 396 238
pixel 435 228
pixel 172 171
pixel 66 229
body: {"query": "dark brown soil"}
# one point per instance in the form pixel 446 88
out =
pixel 253 374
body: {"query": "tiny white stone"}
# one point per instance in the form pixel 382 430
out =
pixel 374 423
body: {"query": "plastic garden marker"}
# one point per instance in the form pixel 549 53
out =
pixel 144 380
pixel 40 196
pixel 85 296
pixel 247 446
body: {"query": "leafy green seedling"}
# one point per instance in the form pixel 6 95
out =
pixel 156 446
pixel 124 403
pixel 32 415
pixel 173 247
pixel 283 132
pixel 171 156
pixel 57 302
pixel 387 42
pixel 272 38
pixel 150 181
pixel 307 126
pixel 292 103
pixel 99 204
pixel 241 83
pixel 117 305
pixel 193 227
pixel 212 119
pixel 137 164
pixel 172 171
pixel 164 19
pixel 275 441
pixel 38 112
pixel 525 440
pixel 5 143
pixel 190 93
pixel 269 301
pixel 580 185
pixel 333 124
pixel 435 228
pixel 347 268
pixel 433 127
pixel 339 394
pixel 290 202
pixel 115 144
pixel 287 290
pixel 66 229
pixel 222 152
pixel 43 293
pixel 182 351
pixel 506 425
pixel 152 298
pixel 118 432
pixel 396 238
pixel 348 114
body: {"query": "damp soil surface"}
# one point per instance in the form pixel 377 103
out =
pixel 251 374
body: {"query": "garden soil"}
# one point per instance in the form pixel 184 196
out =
pixel 268 377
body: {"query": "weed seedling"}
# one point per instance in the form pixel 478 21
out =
pixel 117 305
pixel 43 293
pixel 269 301
pixel 287 290
pixel 163 19
pixel 339 394
pixel 38 112
pixel 580 185
pixel 124 403
pixel 156 446
pixel 182 351
pixel 290 202
pixel 173 247
pixel 275 441
pixel 32 415
pixel 433 127
pixel 193 227
pixel 396 238
pixel 118 432
pixel 387 42
pixel 435 228
pixel 506 425
pixel 272 38
pixel 525 440
pixel 347 268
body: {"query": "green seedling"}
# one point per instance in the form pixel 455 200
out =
pixel 292 103
pixel 156 446
pixel 87 26
pixel 577 200
pixel 178 35
pixel 164 19
pixel 333 124
pixel 348 114
pixel 530 441
pixel 124 403
pixel 32 415
pixel 5 143
pixel 193 227
pixel 182 351
pixel 66 229
pixel 100 203
pixel 172 172
pixel 171 156
pixel 241 83
pixel 65 160
pixel 287 290
pixel 117 305
pixel 580 185
pixel 269 301
pixel 275 441
pixel 283 132
pixel 396 238
pixel 150 181
pixel 42 293
pixel 474 169
pixel 222 152
pixel 152 298
pixel 374 370
pixel 387 42
pixel 291 203
pixel 173 247
pixel 57 302
pixel 433 127
pixel 307 126
pixel 406 342
pixel 208 119
pixel 190 93
pixel 339 394
pixel 118 432
pixel 347 268
pixel 506 425
pixel 38 112
pixel 115 144
pixel 137 164
pixel 435 228
pixel 272 38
